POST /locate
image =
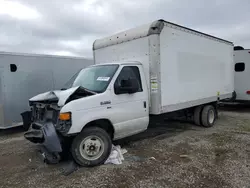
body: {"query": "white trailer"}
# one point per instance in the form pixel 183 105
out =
pixel 138 74
pixel 242 75
pixel 25 75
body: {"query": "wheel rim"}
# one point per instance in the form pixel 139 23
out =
pixel 211 116
pixel 92 147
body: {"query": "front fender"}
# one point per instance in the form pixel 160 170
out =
pixel 83 117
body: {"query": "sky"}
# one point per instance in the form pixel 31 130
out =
pixel 69 27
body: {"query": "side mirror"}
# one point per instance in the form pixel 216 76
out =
pixel 127 86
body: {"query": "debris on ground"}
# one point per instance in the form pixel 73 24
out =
pixel 70 167
pixel 152 158
pixel 183 156
pixel 116 155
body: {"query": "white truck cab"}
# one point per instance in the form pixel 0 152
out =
pixel 121 97
pixel 154 69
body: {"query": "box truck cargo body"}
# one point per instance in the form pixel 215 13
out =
pixel 138 74
pixel 25 75
pixel 183 67
pixel 242 75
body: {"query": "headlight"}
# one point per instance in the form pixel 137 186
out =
pixel 65 116
pixel 64 123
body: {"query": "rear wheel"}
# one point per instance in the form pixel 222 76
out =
pixel 197 115
pixel 208 116
pixel 92 147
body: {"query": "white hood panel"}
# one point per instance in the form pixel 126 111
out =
pixel 59 95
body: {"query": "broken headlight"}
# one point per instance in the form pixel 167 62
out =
pixel 64 122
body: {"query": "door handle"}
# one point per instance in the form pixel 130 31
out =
pixel 145 104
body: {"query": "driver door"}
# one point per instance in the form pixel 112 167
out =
pixel 131 110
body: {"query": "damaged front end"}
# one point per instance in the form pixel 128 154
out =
pixel 42 130
pixel 46 128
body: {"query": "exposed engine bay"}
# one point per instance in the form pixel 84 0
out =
pixel 44 112
pixel 46 107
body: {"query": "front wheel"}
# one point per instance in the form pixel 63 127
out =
pixel 91 147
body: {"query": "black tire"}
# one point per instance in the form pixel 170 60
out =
pixel 197 115
pixel 76 144
pixel 207 119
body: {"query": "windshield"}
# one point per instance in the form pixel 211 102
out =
pixel 96 78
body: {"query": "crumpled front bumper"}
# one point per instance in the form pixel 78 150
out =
pixel 46 135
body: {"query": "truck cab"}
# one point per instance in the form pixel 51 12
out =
pixel 120 97
pixel 105 102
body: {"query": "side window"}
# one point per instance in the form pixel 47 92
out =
pixel 239 67
pixel 128 73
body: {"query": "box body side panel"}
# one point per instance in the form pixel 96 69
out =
pixel 193 68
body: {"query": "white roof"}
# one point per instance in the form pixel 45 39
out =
pixel 143 31
pixel 119 63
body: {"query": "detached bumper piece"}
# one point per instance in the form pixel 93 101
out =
pixel 46 135
pixel 35 136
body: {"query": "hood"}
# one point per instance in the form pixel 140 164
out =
pixel 61 96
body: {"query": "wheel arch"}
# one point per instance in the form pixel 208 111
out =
pixel 103 124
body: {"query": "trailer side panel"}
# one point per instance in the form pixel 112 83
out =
pixel 34 74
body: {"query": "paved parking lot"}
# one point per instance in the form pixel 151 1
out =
pixel 173 154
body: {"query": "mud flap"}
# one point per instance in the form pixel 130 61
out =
pixel 35 136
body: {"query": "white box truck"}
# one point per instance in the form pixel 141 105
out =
pixel 138 74
pixel 242 74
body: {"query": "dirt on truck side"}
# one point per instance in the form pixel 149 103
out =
pixel 171 154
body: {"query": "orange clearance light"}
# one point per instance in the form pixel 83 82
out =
pixel 65 116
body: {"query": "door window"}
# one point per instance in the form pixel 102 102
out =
pixel 129 73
